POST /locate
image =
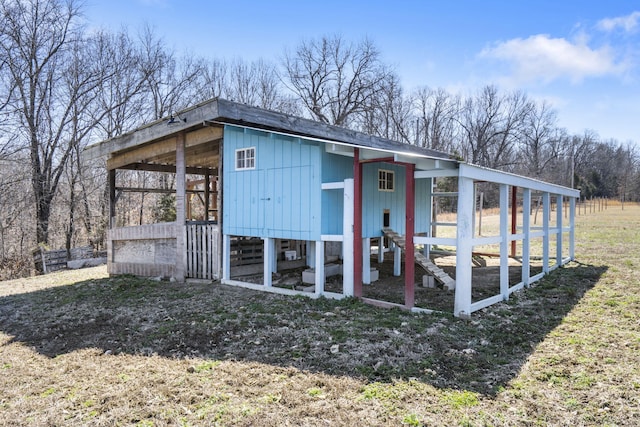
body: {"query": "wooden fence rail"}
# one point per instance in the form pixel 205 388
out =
pixel 49 261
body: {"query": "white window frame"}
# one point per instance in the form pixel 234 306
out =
pixel 244 161
pixel 386 180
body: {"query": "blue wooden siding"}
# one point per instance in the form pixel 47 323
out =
pixel 374 201
pixel 335 168
pixel 281 196
pixel 423 205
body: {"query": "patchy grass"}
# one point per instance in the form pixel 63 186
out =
pixel 79 348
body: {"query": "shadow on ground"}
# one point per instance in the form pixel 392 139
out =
pixel 345 338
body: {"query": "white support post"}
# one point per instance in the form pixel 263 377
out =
pixel 319 276
pixel 526 240
pixel 267 254
pixel 311 254
pixel 426 251
pixel 546 212
pixel 572 230
pixel 347 239
pixel 397 260
pixel 504 241
pixel 226 257
pixel 381 249
pixel 475 210
pixel 366 261
pixel 274 256
pixel 464 248
pixel 559 226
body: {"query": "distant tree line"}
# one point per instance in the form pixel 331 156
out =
pixel 63 86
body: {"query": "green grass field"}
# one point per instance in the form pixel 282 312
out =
pixel 79 348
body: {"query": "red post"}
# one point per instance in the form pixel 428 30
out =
pixel 409 253
pixel 514 217
pixel 357 224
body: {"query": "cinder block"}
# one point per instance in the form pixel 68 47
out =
pixel 428 281
pixel 309 275
pixel 332 270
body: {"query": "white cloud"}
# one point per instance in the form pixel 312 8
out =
pixel 540 58
pixel 628 23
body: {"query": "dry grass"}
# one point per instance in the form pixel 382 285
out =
pixel 78 348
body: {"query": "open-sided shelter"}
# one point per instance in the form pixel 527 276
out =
pixel 281 178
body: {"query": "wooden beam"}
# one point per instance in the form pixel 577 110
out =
pixel 206 197
pixel 153 167
pixel 390 159
pixel 145 153
pixel 141 154
pixel 181 249
pixel 480 173
pixel 154 190
pixel 112 198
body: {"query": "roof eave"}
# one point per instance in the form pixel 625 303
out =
pixel 224 111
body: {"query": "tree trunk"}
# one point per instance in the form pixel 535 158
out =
pixel 43 213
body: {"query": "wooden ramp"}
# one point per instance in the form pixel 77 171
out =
pixel 422 260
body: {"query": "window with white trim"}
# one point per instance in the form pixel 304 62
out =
pixel 385 180
pixel 246 158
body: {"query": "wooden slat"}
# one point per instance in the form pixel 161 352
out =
pixel 202 250
pixel 423 261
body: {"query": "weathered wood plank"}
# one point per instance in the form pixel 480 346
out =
pixel 202 250
pixel 146 153
pixel 152 167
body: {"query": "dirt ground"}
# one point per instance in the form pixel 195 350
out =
pixel 81 348
pixel 390 288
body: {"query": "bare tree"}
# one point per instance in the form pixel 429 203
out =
pixel 582 147
pixel 14 191
pixel 627 161
pixel 170 83
pixel 541 140
pixel 491 123
pixel 35 39
pixel 213 79
pixel 389 113
pixel 257 83
pixel 6 88
pixel 119 104
pixel 334 79
pixel 436 112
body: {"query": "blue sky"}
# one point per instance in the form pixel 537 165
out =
pixel 581 56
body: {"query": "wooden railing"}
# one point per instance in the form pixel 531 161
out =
pixel 203 250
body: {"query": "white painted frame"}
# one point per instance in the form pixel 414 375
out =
pixel 465 240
